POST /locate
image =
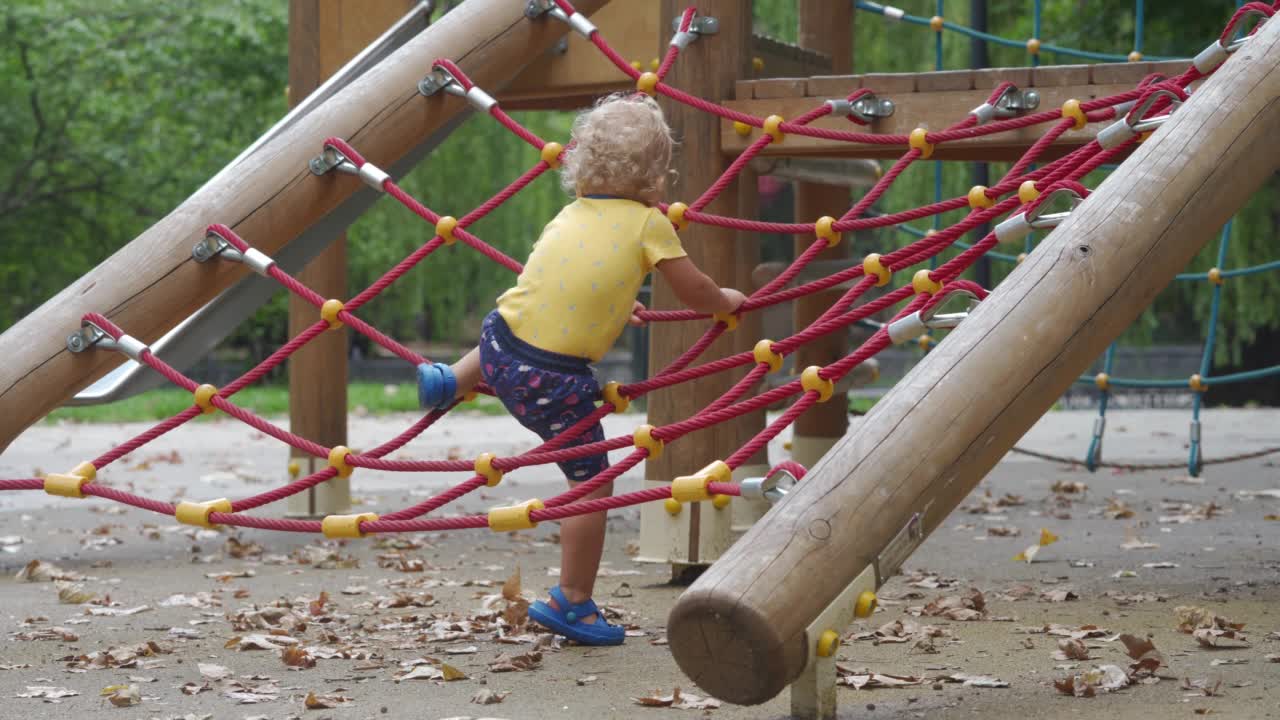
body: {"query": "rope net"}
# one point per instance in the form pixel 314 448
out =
pixel 1023 191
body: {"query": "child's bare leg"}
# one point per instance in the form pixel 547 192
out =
pixel 581 545
pixel 467 372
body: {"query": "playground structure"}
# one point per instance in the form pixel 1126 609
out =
pixel 858 514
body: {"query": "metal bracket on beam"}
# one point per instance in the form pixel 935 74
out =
pixel 813 694
pixel 1011 103
pixel 441 79
pixel 332 159
pixel 867 108
pixel 90 336
pixel 535 9
pixel 699 25
pixel 214 245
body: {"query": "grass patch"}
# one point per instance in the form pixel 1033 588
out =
pixel 363 398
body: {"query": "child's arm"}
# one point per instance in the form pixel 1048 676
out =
pixel 697 291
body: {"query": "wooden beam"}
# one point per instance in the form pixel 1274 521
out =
pixel 934 100
pixel 152 283
pixel 739 631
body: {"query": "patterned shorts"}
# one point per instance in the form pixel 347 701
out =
pixel 545 391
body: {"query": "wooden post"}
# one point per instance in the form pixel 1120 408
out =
pixel 828 28
pixel 153 283
pixel 323 36
pixel 739 631
pixel 708 67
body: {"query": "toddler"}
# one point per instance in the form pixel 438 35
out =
pixel 574 298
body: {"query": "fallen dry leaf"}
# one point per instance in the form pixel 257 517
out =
pixel 485 696
pixel 123 695
pixel 1272 658
pixel 296 656
pixel 46 692
pixel 1071 649
pixel 73 593
pixel 1202 686
pixel 516 663
pixel 1059 595
pixel 981 681
pixel 40 571
pixel 325 702
pixel 1133 542
pixel 209 671
pixel 1143 651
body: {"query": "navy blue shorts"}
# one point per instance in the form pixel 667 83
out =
pixel 546 392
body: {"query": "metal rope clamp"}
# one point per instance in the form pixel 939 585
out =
pixel 333 159
pixel 772 488
pixel 1011 103
pixel 866 109
pixel 91 336
pixel 1021 225
pixel 1208 59
pixel 441 79
pixel 535 9
pixel 214 245
pixel 918 323
pixel 698 25
pixel 1131 126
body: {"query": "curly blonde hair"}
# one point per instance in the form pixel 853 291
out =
pixel 622 147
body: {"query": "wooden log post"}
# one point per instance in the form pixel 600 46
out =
pixel 153 283
pixel 828 28
pixel 739 631
pixel 708 67
pixel 323 36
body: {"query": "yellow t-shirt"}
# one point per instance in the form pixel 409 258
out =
pixel 578 287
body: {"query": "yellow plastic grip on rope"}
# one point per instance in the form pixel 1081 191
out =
pixel 1027 192
pixel 612 394
pixel 647 83
pixel 922 282
pixel 978 198
pixel 675 213
pixel 741 128
pixel 70 484
pixel 1072 109
pixel 485 469
pixel 919 140
pixel 872 267
pixel 294 468
pixel 823 229
pixel 757 64
pixel 445 227
pixel 329 313
pixel 204 398
pixel 811 380
pixel 514 517
pixel 673 506
pixel 338 460
pixel 197 513
pixel 729 319
pixel 345 526
pixel 693 488
pixel 771 128
pixel 551 154
pixel 719 501
pixel 643 438
pixel 765 355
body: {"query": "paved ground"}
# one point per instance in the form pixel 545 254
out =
pixel 437 599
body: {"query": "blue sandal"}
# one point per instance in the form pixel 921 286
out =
pixel 567 621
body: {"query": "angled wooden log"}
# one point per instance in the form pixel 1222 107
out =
pixel 152 283
pixel 740 631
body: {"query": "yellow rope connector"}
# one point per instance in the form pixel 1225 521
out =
pixel 70 484
pixel 757 64
pixel 693 488
pixel 203 396
pixel 872 267
pixel 1215 276
pixel 978 198
pixel 1103 381
pixel 923 282
pixel 654 64
pixel 730 320
pixel 741 128
pixel 485 469
pixel 720 502
pixel 811 380
pixel 647 83
pixel 514 517
pixel 294 468
pixel 772 129
pixel 828 641
pixel 865 605
pixel 1071 109
pixel 935 23
pixel 824 228
pixel 673 506
pixel 551 154
pixel 1196 383
pixel 338 460
pixel 345 526
pixel 613 395
pixel 765 355
pixel 1135 56
pixel 1027 192
pixel 675 213
pixel 445 227
pixel 643 438
pixel 197 513
pixel 919 140
pixel 329 313
pixel 925 342
pixel 1033 46
pixel 637 65
pixel 1018 260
